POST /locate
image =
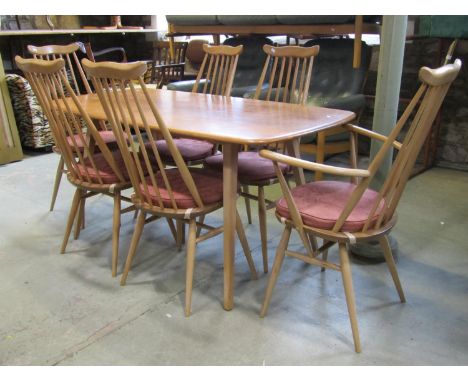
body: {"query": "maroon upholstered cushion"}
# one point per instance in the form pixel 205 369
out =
pixel 107 135
pixel 209 185
pixel 103 169
pixel 190 149
pixel 251 167
pixel 321 203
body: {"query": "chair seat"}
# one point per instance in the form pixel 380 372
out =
pixel 209 185
pixel 190 149
pixel 321 203
pixel 103 169
pixel 251 166
pixel 107 135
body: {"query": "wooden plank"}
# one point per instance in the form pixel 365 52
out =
pixel 10 146
pixel 273 30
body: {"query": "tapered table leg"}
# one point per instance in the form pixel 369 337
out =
pixel 230 153
pixel 293 150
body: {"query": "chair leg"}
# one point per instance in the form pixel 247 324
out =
pixel 245 188
pixel 180 234
pixel 172 227
pixel 80 216
pixel 245 246
pixel 313 242
pixel 320 154
pixel 191 249
pixel 391 266
pixel 280 253
pixel 71 218
pixel 201 220
pixel 263 227
pixel 349 293
pixel 58 178
pixel 324 256
pixel 133 245
pixel 116 232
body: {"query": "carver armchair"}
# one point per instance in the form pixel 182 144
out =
pixel 345 213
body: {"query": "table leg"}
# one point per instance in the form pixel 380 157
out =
pixel 293 150
pixel 230 154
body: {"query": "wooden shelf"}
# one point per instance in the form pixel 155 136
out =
pixel 32 32
pixel 335 29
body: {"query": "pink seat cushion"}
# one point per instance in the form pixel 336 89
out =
pixel 103 169
pixel 321 203
pixel 190 149
pixel 209 185
pixel 107 135
pixel 252 167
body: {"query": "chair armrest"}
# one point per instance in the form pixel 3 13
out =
pixel 295 162
pixel 371 134
pixel 103 52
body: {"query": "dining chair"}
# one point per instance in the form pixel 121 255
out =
pixel 91 166
pixel 79 85
pixel 164 68
pixel 346 213
pixel 288 81
pixel 180 192
pixel 215 77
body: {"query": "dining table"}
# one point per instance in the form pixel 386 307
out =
pixel 233 123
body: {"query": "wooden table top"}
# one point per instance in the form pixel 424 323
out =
pixel 229 119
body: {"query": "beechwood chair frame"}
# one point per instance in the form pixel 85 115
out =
pixel 57 98
pixel 290 85
pixel 218 69
pixel 115 87
pixel 435 84
pixel 215 77
pixel 68 53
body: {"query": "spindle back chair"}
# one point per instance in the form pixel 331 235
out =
pixel 180 193
pixel 72 66
pixel 218 69
pixel 289 81
pixel 290 76
pixel 353 212
pixel 164 68
pixel 79 83
pixel 91 166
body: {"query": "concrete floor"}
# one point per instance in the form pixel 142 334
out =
pixel 68 310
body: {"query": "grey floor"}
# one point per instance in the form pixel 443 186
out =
pixel 68 310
